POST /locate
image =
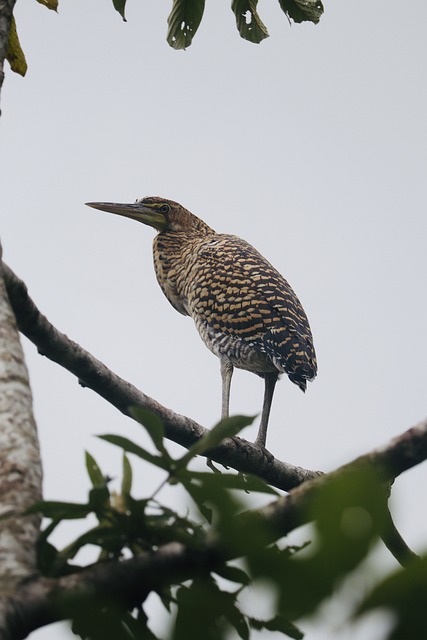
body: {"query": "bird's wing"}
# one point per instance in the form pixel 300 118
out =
pixel 247 296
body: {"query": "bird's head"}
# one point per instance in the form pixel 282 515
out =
pixel 156 212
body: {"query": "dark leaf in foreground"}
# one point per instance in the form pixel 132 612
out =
pixel 152 424
pixel 119 6
pixel 248 22
pixel 302 10
pixel 404 593
pixel 226 428
pixel 183 22
pixel 94 472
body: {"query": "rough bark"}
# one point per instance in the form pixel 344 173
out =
pixel 6 9
pixel 20 466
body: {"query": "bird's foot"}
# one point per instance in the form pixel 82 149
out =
pixel 212 467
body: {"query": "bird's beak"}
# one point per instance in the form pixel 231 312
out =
pixel 144 213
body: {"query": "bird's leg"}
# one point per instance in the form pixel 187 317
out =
pixel 270 383
pixel 226 375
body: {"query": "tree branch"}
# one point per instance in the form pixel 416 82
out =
pixel 20 465
pixel 237 453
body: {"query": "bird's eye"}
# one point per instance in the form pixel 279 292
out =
pixel 165 208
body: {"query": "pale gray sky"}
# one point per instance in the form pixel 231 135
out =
pixel 312 146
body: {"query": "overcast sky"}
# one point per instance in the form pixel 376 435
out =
pixel 312 146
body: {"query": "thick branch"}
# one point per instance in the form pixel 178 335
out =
pixel 388 462
pixel 239 453
pixel 20 466
pixel 45 600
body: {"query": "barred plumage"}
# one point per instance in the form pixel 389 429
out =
pixel 244 310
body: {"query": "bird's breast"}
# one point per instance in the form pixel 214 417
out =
pixel 242 307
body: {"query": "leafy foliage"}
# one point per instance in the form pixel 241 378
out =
pixel 346 514
pixel 404 593
pixel 186 15
pixel 184 20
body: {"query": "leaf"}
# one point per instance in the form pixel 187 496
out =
pixel 226 428
pixel 60 510
pixel 199 498
pixel 302 10
pixel 404 593
pixel 102 536
pixel 183 22
pixel 50 4
pixel 131 447
pixel 152 424
pixel 99 500
pixel 233 574
pixel 233 481
pixel 279 623
pixel 347 515
pixel 95 473
pixel 203 610
pixel 14 54
pixel 127 476
pixel 238 620
pixel 248 22
pixel 119 6
pixel 47 556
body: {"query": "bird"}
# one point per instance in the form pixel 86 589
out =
pixel 246 313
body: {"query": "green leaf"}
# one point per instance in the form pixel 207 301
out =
pixel 119 6
pixel 248 22
pixel 127 476
pixel 95 473
pixel 238 620
pixel 198 496
pixel 279 623
pixel 14 54
pixel 347 516
pixel 183 22
pixel 130 447
pixel 47 556
pixel 226 428
pixel 404 593
pixel 233 574
pixel 99 500
pixel 302 10
pixel 103 536
pixel 235 481
pixel 166 597
pixel 60 510
pixel 203 610
pixel 50 4
pixel 152 424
